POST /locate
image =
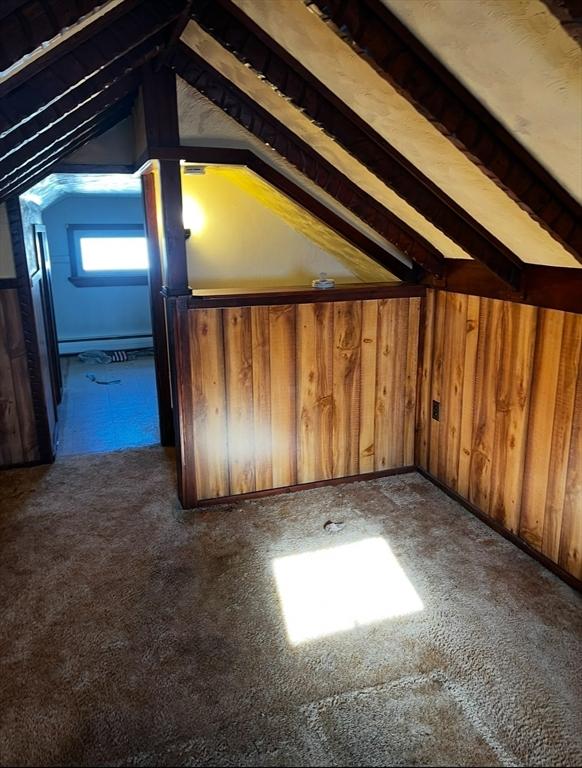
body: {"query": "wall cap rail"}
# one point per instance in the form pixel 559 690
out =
pixel 226 297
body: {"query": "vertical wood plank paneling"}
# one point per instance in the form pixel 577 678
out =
pixel 568 374
pixel 410 382
pixel 347 342
pixel 209 409
pixel 452 394
pixel 385 376
pixel 314 391
pixel 484 425
pixel 437 376
pixel 468 395
pixel 541 420
pixel 369 349
pixel 282 338
pixel 309 392
pixel 261 381
pixel 512 408
pixel 570 554
pixel 519 417
pixel 390 383
pixel 238 357
pixel 10 434
pixel 423 414
pixel 18 437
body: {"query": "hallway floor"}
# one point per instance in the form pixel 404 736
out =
pixel 96 417
pixel 134 633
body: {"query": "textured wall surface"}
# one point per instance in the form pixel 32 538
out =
pixel 251 235
pixel 518 60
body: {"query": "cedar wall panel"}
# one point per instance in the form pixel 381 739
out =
pixel 18 444
pixel 291 394
pixel 509 440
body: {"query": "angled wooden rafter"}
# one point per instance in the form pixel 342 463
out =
pixel 50 162
pixel 112 46
pixel 224 94
pixel 57 135
pixel 243 37
pixel 52 148
pixel 569 14
pixel 39 133
pixel 28 24
pixel 399 57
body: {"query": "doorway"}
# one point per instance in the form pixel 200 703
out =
pixel 96 295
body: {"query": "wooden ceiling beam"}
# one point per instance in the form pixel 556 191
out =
pixel 549 287
pixel 26 25
pixel 569 14
pixel 57 79
pixel 38 147
pixel 245 39
pixel 15 146
pixel 403 61
pixel 103 99
pixel 258 121
pixel 49 161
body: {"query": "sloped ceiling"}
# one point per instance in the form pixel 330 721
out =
pixel 443 129
pixel 306 38
pixel 521 64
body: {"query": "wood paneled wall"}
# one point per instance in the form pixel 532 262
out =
pixel 276 396
pixel 509 381
pixel 18 442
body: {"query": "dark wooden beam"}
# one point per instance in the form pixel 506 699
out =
pixel 302 156
pixel 49 160
pixel 409 67
pixel 161 121
pixel 64 82
pixel 98 38
pixel 550 287
pixel 301 295
pixel 247 158
pixel 17 163
pixel 569 14
pixel 243 37
pixel 160 103
pixel 25 25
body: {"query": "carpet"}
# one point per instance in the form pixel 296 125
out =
pixel 134 633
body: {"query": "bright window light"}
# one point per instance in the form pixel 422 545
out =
pixel 336 589
pixel 113 254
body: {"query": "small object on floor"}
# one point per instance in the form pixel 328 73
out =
pixel 332 527
pixel 94 356
pixel 92 377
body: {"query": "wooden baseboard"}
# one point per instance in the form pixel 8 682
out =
pixel 572 581
pixel 302 487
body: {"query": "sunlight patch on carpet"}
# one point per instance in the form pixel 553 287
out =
pixel 336 589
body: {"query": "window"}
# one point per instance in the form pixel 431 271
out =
pixel 111 254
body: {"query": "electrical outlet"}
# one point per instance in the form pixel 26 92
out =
pixel 436 410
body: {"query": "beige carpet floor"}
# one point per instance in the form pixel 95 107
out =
pixel 134 634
